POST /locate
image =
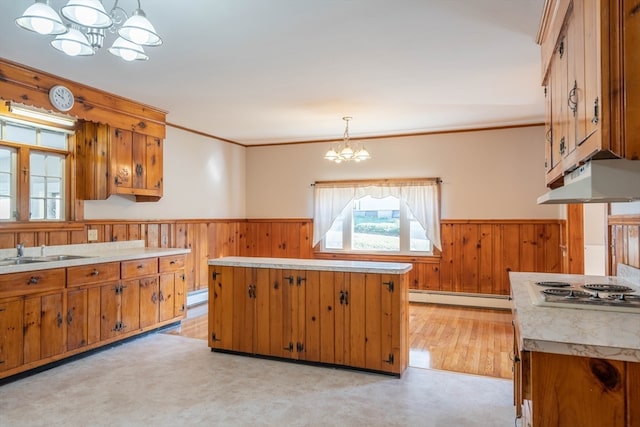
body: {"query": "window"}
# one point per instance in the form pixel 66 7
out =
pixel 377 225
pixel 32 171
pixel 396 217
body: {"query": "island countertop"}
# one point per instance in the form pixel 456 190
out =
pixel 573 331
pixel 315 264
pixel 92 253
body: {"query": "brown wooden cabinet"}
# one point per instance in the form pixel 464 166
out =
pixel 592 97
pixel 31 317
pixel 47 315
pixel 11 337
pixel 338 318
pixel 566 390
pixel 117 161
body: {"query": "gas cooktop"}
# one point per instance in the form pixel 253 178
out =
pixel 607 294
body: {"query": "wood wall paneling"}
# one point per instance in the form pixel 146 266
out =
pixel 476 258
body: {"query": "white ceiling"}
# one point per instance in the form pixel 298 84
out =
pixel 268 71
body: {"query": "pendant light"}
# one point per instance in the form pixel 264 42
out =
pixel 88 13
pixel 139 30
pixel 73 43
pixel 42 19
pixel 344 152
pixel 82 26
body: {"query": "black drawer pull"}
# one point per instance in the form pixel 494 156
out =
pixel 33 280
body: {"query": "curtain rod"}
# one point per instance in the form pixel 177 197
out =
pixel 378 181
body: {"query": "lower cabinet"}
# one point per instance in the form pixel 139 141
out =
pixel 11 337
pixel 338 318
pixel 566 390
pixel 48 315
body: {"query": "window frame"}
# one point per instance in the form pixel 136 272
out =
pixel 23 175
pixel 404 235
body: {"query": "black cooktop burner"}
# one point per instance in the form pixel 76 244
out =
pixel 554 284
pixel 604 287
pixel 567 293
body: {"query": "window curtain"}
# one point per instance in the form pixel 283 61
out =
pixel 422 197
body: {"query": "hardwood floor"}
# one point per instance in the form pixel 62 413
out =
pixel 450 338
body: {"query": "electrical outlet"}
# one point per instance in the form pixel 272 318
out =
pixel 93 235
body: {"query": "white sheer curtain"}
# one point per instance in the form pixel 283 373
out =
pixel 421 196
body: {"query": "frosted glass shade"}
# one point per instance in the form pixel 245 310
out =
pixel 42 19
pixel 88 13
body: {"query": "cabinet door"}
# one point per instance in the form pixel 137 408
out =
pixel 149 302
pixel 153 164
pixel 139 158
pixel 122 173
pixel 592 76
pixel 43 333
pixel 11 338
pixel 341 319
pixel 180 294
pixel 77 311
pixel 166 296
pixel 130 304
pixel 83 317
pixel 243 310
pixel 221 316
pixel 109 310
pixel 261 295
pixel 280 282
pixel 310 339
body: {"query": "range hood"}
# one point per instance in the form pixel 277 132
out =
pixel 598 181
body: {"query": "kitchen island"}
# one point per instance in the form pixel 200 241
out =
pixel 574 366
pixel 337 313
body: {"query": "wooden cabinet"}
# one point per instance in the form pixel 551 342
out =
pixel 11 338
pixel 338 318
pixel 46 315
pixel 558 389
pixel 31 317
pixel 136 165
pixel 117 161
pixel 83 315
pixel 592 97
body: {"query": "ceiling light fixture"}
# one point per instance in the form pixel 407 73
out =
pixel 43 116
pixel 85 28
pixel 344 152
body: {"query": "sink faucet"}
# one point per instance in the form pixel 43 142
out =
pixel 20 249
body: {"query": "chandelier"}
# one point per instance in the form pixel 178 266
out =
pixel 344 151
pixel 87 21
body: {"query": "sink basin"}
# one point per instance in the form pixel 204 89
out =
pixel 21 260
pixel 35 259
pixel 60 257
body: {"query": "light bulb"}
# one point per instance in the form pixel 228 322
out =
pixel 128 55
pixel 87 16
pixel 71 48
pixel 42 26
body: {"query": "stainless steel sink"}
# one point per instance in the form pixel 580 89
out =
pixel 21 260
pixel 60 257
pixel 37 259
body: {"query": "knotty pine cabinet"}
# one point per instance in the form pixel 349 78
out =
pixel 589 78
pixel 31 317
pixel 338 318
pixel 117 161
pixel 565 390
pixel 47 315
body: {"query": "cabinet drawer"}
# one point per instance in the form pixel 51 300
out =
pixel 139 267
pixel 171 263
pixel 31 282
pixel 94 273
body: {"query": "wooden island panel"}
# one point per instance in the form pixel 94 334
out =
pixel 311 313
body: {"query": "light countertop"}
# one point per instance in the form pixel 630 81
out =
pixel 95 253
pixel 574 331
pixel 315 264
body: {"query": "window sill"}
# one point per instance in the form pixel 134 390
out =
pixel 42 225
pixel 435 258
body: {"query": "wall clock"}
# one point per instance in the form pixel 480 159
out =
pixel 61 98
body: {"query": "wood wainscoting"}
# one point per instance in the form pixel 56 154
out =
pixel 624 241
pixel 476 258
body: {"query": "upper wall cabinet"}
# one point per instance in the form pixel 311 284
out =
pixel 592 93
pixel 117 161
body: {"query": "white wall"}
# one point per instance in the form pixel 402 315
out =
pixel 595 230
pixel 486 174
pixel 203 178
